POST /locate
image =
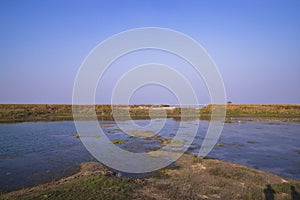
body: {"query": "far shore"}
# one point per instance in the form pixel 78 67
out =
pixel 11 113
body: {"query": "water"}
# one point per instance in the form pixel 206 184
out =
pixel 34 153
pixel 39 152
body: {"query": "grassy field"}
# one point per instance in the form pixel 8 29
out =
pixel 57 112
pixel 195 178
pixel 257 110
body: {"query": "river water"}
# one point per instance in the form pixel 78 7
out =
pixel 32 153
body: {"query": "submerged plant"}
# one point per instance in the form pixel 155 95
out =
pixel 75 136
pixel 172 143
pixel 118 142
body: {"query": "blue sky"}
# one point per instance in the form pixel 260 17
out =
pixel 255 44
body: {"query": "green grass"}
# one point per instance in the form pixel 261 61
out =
pixel 226 174
pixel 284 187
pixel 91 187
pixel 253 193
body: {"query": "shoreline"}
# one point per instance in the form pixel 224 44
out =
pixel 15 113
pixel 198 178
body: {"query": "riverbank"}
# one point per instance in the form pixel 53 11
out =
pixel 195 178
pixel 63 112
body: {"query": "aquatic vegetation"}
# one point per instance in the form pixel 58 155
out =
pixel 95 136
pixel 75 136
pixel 78 136
pixel 172 143
pixel 110 132
pixel 118 142
pixel 252 142
pixel 142 133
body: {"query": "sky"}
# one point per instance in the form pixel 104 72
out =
pixel 255 45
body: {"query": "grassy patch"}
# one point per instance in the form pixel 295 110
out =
pixel 285 187
pixel 91 187
pixel 253 193
pixel 255 110
pixel 281 191
pixel 226 174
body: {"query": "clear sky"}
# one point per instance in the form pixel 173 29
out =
pixel 255 44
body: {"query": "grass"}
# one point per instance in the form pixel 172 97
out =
pixel 255 110
pixel 90 187
pixel 282 191
pixel 284 187
pixel 253 193
pixel 226 174
pixel 58 112
pixel 195 178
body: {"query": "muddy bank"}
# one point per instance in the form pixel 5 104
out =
pixel 195 178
